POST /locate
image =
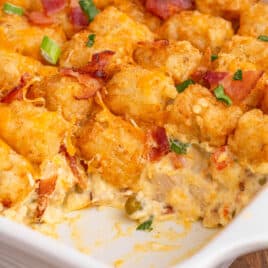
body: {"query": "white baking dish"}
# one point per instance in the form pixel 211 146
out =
pixel 23 247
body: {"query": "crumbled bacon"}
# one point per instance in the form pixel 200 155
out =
pixel 166 8
pixel 158 143
pixel 91 84
pixel 98 65
pixel 53 6
pixel 39 18
pixel 221 158
pixel 78 17
pixel 237 90
pixel 45 189
pixel 16 93
pixel 73 163
pixel 6 203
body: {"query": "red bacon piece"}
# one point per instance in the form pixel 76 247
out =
pixel 45 189
pixel 72 161
pixel 39 18
pixel 53 6
pixel 16 93
pixel 237 90
pixel 98 65
pixel 91 85
pixel 166 8
pixel 158 143
pixel 78 18
pixel 220 158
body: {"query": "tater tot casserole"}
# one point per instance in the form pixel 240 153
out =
pixel 156 107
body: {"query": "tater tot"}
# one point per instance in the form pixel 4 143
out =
pixel 15 173
pixel 117 153
pixel 32 131
pixel 139 93
pixel 254 20
pixel 245 52
pixel 250 140
pixel 18 35
pixel 230 9
pixel 197 114
pixel 14 65
pixel 202 30
pixel 179 59
pixel 63 94
pixel 113 31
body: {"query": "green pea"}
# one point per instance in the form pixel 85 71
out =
pixel 132 205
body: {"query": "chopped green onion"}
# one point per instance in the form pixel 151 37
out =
pixel 91 40
pixel 178 147
pixel 50 50
pixel 220 95
pixel 89 8
pixel 181 87
pixel 214 57
pixel 238 75
pixel 146 226
pixel 12 9
pixel 263 38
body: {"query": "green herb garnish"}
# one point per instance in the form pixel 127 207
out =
pixel 12 9
pixel 89 8
pixel 238 75
pixel 263 38
pixel 221 96
pixel 91 40
pixel 146 226
pixel 181 87
pixel 50 50
pixel 214 57
pixel 178 147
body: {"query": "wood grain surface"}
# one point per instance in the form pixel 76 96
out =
pixel 254 260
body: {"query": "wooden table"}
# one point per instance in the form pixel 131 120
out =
pixel 253 260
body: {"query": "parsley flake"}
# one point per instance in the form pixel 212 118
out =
pixel 221 96
pixel 263 38
pixel 89 8
pixel 181 87
pixel 178 147
pixel 91 40
pixel 238 75
pixel 214 57
pixel 146 226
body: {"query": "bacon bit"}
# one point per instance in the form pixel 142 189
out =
pixel 39 18
pixel 155 44
pixel 166 8
pixel 177 161
pixel 16 93
pixel 45 189
pixel 6 203
pixel 78 18
pixel 168 210
pixel 91 84
pixel 72 161
pixel 214 78
pixel 53 6
pixel 237 90
pixel 203 67
pixel 220 158
pixel 97 66
pixel 158 143
pixel 226 212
